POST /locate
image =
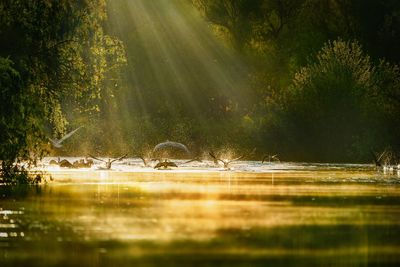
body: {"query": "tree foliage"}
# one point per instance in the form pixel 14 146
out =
pixel 55 58
pixel 344 102
pixel 326 103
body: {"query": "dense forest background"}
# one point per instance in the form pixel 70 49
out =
pixel 310 80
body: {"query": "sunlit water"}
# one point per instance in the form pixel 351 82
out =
pixel 279 214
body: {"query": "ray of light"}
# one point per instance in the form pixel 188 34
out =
pixel 177 67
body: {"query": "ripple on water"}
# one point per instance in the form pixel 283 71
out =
pixel 284 212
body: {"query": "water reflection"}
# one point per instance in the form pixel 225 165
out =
pixel 315 217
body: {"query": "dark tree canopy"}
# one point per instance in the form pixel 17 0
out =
pixel 55 58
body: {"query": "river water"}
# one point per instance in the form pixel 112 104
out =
pixel 278 214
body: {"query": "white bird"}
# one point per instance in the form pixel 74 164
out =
pixel 171 144
pixel 146 160
pixel 57 142
pixel 109 161
pixel 226 162
pixel 223 161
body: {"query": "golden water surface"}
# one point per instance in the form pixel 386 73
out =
pixel 310 217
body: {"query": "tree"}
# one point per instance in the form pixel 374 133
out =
pixel 330 108
pixel 250 21
pixel 55 60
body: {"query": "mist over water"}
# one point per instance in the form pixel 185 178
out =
pixel 181 81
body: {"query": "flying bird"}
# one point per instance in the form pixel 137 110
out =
pixel 109 161
pixel 57 142
pixel 146 161
pixel 226 162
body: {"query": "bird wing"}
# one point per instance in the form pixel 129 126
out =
pixel 120 158
pixel 265 157
pixel 143 159
pixel 377 160
pixel 225 162
pixel 55 142
pixel 211 153
pixel 90 156
pixel 183 147
pixel 68 135
pixel 158 146
pixel 146 160
pixel 275 157
pixel 384 153
pixel 195 159
pixel 171 144
pixel 172 164
pixel 158 165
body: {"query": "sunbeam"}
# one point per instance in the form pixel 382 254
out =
pixel 178 70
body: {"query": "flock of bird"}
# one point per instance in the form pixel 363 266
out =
pixel 386 161
pixel 160 152
pixel 161 162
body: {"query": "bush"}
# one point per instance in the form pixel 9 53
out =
pixel 330 112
